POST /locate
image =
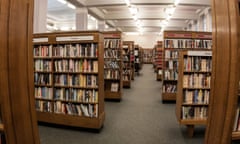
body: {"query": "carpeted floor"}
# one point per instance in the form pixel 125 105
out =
pixel 140 118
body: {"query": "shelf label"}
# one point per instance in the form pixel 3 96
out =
pixel 35 40
pixel 200 53
pixel 74 38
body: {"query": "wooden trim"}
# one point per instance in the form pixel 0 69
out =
pixel 224 81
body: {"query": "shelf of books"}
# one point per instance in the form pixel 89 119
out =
pixel 158 60
pixel 113 65
pixel 147 56
pixel 137 59
pixel 127 63
pixel 69 78
pixel 174 42
pixel 132 57
pixel 193 88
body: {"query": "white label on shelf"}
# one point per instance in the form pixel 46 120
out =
pixel 125 46
pixel 40 39
pixel 74 38
pixel 200 53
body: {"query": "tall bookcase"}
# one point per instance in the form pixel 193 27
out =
pixel 130 45
pixel 158 60
pixel 193 92
pixel 69 78
pixel 236 124
pixel 113 65
pixel 147 55
pixel 127 63
pixel 174 42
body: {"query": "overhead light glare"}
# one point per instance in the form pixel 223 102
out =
pixel 176 2
pixel 71 6
pixel 127 2
pixel 62 1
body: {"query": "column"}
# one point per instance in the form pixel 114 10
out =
pixel 40 16
pixel 101 25
pixel 81 19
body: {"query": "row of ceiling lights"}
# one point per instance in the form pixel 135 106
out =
pixel 134 12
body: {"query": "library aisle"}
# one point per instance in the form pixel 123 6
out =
pixel 140 118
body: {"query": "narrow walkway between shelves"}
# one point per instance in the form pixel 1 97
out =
pixel 140 118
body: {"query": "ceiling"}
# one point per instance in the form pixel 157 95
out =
pixel 150 14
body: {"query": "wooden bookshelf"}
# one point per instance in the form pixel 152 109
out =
pixel 193 88
pixel 158 62
pixel 174 42
pixel 17 113
pixel 147 55
pixel 113 65
pixel 137 59
pixel 127 63
pixel 69 78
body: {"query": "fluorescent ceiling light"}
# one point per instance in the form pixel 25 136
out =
pixel 176 2
pixel 127 2
pixel 133 10
pixel 62 1
pixel 71 6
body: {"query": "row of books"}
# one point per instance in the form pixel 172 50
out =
pixel 196 80
pixel 112 43
pixel 187 43
pixel 42 78
pixel 126 71
pixel 43 92
pixel 42 51
pixel 171 64
pixel 112 53
pixel 43 106
pixel 112 64
pixel 76 95
pixel 171 54
pixel 111 74
pixel 169 88
pixel 191 112
pixel 197 64
pixel 76 80
pixel 125 58
pixel 76 65
pixel 75 50
pixel 87 110
pixel 196 96
pixel 170 75
pixel 42 65
pixel 126 52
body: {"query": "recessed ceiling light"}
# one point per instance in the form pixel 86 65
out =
pixel 62 1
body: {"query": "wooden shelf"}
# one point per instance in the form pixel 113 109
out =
pixel 95 55
pixel 186 96
pixel 236 135
pixel 1 127
pixel 193 122
pixel 169 96
pixel 72 120
pixel 113 95
pixel 113 44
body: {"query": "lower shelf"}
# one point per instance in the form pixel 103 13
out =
pixel 169 96
pixel 236 135
pixel 127 84
pixel 158 77
pixel 71 120
pixel 1 128
pixel 112 95
pixel 193 122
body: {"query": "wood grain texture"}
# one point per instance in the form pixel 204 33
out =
pixel 16 80
pixel 224 81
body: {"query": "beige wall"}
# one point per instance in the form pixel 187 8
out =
pixel 145 41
